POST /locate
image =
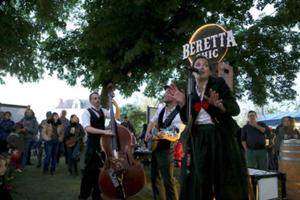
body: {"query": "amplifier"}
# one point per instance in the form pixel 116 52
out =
pixel 265 184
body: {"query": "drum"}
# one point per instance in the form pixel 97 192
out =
pixel 289 163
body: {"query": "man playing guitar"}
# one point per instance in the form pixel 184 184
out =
pixel 166 120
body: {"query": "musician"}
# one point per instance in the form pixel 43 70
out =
pixel 93 121
pixel 214 167
pixel 162 161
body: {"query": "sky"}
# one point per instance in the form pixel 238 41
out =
pixel 45 94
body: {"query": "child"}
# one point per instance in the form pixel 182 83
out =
pixel 16 146
pixel 4 191
pixel 178 154
pixel 14 150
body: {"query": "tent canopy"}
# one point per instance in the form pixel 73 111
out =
pixel 275 119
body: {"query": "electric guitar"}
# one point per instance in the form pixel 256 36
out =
pixel 169 134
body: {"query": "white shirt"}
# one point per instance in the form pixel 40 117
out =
pixel 86 116
pixel 176 121
pixel 203 117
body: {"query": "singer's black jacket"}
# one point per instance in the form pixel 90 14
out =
pixel 219 118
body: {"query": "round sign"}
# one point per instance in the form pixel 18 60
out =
pixel 211 41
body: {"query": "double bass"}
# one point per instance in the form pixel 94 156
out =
pixel 121 176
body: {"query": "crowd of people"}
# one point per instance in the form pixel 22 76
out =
pixel 262 143
pixel 54 137
pixel 216 151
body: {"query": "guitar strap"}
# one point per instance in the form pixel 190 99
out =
pixel 170 118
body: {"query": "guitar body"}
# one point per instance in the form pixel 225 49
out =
pixel 167 134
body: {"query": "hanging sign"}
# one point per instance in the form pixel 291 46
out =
pixel 211 41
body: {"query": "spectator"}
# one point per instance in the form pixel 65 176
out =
pixel 30 129
pixel 6 127
pixel 74 140
pixel 284 131
pixel 52 134
pixel 178 154
pixel 41 142
pixel 128 125
pixel 16 146
pixel 287 129
pixel 254 135
pixel 143 134
pixel 4 191
pixel 62 147
pixel 1 115
pixel 271 150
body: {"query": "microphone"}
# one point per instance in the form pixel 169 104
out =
pixel 193 69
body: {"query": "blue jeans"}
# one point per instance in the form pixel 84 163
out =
pixel 25 155
pixel 61 151
pixel 39 152
pixel 51 151
pixel 73 156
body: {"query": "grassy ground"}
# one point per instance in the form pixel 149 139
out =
pixel 31 184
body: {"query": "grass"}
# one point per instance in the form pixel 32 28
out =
pixel 32 184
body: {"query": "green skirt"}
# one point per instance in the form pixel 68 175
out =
pixel 217 168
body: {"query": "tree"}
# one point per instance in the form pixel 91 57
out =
pixel 24 27
pixel 135 115
pixel 132 42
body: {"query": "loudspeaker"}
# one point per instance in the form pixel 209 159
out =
pixel 265 184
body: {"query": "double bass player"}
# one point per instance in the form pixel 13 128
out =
pixel 93 121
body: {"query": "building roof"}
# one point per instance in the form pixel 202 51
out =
pixel 73 103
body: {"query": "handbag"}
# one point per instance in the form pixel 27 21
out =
pixel 71 141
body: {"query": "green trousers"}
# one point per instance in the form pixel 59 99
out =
pixel 162 175
pixel 257 159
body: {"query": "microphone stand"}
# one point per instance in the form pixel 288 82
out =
pixel 188 131
pixel 189 94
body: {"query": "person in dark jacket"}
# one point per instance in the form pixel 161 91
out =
pixel 254 137
pixel 128 125
pixel 6 127
pixel 73 139
pixel 214 166
pixel 30 131
pixel 4 190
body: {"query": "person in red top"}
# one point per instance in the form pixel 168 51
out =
pixel 178 154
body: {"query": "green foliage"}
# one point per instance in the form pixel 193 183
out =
pixel 113 39
pixel 145 37
pixel 135 115
pixel 24 25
